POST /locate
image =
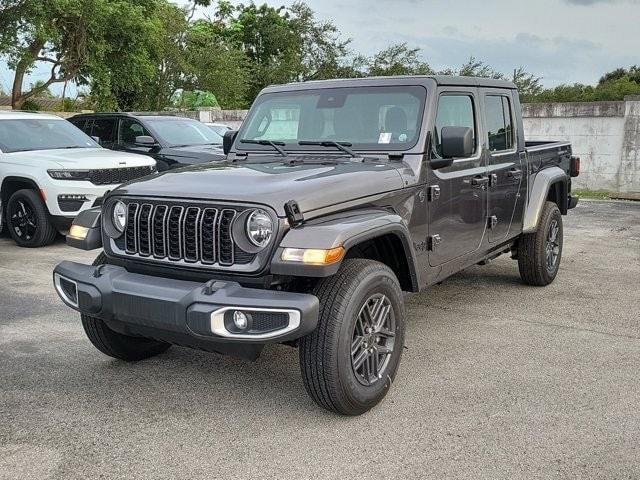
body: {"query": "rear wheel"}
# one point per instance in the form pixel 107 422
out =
pixel 117 345
pixel 28 220
pixel 540 252
pixel 349 362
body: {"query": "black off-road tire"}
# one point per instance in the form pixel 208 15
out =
pixel 117 345
pixel 532 249
pixel 325 354
pixel 44 233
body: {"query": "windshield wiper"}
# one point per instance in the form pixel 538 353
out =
pixel 330 143
pixel 275 145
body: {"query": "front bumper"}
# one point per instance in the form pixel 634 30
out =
pixel 187 313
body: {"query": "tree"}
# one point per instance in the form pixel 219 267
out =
pixel 528 85
pixel 79 39
pixel 53 32
pixel 398 59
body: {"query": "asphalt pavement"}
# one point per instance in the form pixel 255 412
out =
pixel 499 381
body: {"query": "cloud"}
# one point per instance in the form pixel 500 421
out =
pixel 586 3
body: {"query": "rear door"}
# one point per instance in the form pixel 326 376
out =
pixel 457 214
pixel 105 130
pixel 504 162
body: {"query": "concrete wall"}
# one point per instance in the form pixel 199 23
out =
pixel 605 135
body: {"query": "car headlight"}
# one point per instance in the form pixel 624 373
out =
pixel 69 174
pixel 259 228
pixel 119 216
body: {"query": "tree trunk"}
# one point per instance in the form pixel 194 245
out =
pixel 17 97
pixel 17 100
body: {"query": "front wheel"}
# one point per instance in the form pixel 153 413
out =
pixel 540 252
pixel 28 220
pixel 117 345
pixel 350 361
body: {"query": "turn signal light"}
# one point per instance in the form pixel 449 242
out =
pixel 313 256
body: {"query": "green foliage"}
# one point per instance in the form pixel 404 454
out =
pixel 135 54
pixel 31 105
pixel 397 59
pixel 611 89
pixel 186 100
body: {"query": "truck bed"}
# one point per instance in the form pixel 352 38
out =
pixel 546 153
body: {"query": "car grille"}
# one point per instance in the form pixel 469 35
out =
pixel 113 176
pixel 182 233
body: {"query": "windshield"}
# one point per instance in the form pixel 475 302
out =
pixel 183 132
pixel 369 118
pixel 21 135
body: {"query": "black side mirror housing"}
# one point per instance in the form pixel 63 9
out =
pixel 457 142
pixel 145 141
pixel 227 140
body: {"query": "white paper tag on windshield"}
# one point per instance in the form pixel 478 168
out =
pixel 385 137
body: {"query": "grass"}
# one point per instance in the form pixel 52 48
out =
pixel 597 194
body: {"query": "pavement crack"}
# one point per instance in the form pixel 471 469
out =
pixel 579 329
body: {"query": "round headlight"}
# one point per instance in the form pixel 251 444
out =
pixel 119 216
pixel 259 228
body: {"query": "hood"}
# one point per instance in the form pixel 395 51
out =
pixel 194 154
pixel 273 183
pixel 83 158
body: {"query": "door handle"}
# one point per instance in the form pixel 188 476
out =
pixel 479 181
pixel 515 173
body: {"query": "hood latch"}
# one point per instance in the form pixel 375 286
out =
pixel 293 213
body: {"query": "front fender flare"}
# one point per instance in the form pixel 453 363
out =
pixel 347 230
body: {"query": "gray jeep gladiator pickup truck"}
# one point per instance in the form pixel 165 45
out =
pixel 335 198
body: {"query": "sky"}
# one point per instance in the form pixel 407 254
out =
pixel 562 41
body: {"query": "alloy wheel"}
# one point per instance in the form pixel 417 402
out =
pixel 373 339
pixel 23 220
pixel 552 248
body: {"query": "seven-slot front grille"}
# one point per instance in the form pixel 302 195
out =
pixel 192 234
pixel 113 176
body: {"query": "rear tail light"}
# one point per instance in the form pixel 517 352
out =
pixel 574 168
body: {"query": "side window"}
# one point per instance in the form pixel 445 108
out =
pixel 499 123
pixel 104 129
pixel 129 130
pixel 453 111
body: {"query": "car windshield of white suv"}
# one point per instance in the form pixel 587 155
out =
pixel 183 132
pixel 23 135
pixel 366 118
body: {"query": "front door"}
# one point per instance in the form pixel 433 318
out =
pixel 457 194
pixel 504 164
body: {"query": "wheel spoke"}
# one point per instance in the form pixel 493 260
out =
pixel 360 359
pixel 386 333
pixel 383 314
pixel 356 344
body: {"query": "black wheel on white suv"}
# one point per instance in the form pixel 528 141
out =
pixel 350 360
pixel 27 220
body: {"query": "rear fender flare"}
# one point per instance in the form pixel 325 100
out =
pixel 539 193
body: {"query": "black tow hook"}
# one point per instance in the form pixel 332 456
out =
pixel 212 286
pixel 97 273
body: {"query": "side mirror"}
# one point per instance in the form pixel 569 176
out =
pixel 96 139
pixel 457 142
pixel 227 140
pixel 145 141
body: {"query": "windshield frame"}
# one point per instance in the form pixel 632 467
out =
pixel 83 137
pixel 294 147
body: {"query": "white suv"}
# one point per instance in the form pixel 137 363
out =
pixel 50 171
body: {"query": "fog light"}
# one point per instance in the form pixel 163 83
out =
pixel 240 320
